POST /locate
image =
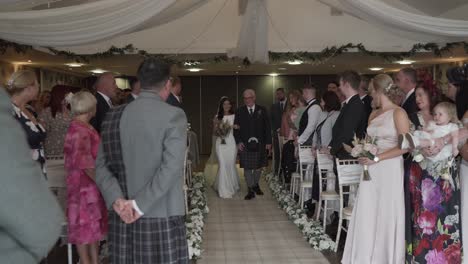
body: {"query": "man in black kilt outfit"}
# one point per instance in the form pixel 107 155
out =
pixel 140 172
pixel 253 138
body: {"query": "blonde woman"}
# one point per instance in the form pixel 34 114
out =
pixel 377 228
pixel 23 88
pixel 86 211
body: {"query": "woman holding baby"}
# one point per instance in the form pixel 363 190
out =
pixel 433 216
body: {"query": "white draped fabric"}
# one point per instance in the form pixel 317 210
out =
pixel 253 38
pixel 381 12
pixel 89 22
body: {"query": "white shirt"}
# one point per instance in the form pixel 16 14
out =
pixel 347 100
pixel 108 100
pixel 313 113
pixel 134 96
pixel 364 96
pixel 252 107
pixel 177 97
pixel 408 95
pixel 282 104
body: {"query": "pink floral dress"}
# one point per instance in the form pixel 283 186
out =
pixel 86 210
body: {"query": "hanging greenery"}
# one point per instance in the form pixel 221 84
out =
pixel 307 57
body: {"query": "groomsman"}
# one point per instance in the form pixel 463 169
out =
pixel 174 98
pixel 277 110
pixel 406 80
pixel 253 139
pixel 135 86
pixel 310 117
pixel 365 97
pixel 106 89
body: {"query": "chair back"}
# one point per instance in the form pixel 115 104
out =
pixel 325 171
pixel 324 162
pixel 306 161
pixel 349 172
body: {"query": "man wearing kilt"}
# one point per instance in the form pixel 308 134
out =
pixel 139 170
pixel 253 138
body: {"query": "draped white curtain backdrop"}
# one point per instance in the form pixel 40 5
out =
pixel 89 22
pixel 253 38
pixel 394 18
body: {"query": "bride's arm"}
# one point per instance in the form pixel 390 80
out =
pixel 402 125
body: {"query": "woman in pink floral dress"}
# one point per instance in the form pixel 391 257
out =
pixel 86 211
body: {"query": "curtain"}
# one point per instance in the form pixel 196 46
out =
pixel 383 13
pixel 89 22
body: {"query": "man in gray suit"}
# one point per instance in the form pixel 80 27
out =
pixel 139 170
pixel 30 217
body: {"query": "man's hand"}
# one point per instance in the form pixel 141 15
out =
pixel 325 150
pixel 124 208
pixel 240 146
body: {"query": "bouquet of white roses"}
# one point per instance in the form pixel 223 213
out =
pixel 363 148
pixel 222 130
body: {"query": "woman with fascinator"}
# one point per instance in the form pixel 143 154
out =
pixel 227 179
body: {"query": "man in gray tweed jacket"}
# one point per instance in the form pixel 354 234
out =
pixel 139 170
pixel 30 217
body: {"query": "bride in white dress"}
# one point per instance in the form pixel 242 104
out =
pixel 227 179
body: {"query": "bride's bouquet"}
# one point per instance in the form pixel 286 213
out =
pixel 363 148
pixel 222 130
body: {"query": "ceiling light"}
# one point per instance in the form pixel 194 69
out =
pixel 282 69
pixel 191 63
pixel 194 70
pixel 295 62
pixel 98 71
pixel 273 74
pixel 237 72
pixel 333 66
pixel 29 61
pixel 375 69
pixel 74 64
pixel 405 62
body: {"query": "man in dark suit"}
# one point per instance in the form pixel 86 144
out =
pixel 277 110
pixel 106 89
pixel 365 97
pixel 174 98
pixel 406 79
pixel 253 139
pixel 135 86
pixel 351 120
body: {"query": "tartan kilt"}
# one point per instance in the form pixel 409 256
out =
pixel 147 241
pixel 253 160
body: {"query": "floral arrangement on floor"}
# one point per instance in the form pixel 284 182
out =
pixel 195 220
pixel 312 230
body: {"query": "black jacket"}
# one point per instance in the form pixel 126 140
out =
pixel 367 100
pixel 410 105
pixel 350 122
pixel 256 125
pixel 172 100
pixel 101 110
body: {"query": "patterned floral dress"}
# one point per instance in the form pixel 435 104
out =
pixel 86 210
pixel 435 202
pixel 56 130
pixel 35 135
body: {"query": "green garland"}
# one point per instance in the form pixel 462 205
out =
pixel 307 57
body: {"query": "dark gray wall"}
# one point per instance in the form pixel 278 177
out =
pixel 201 94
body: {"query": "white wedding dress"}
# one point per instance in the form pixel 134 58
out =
pixel 227 179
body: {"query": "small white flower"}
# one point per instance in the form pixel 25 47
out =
pixel 418 158
pixel 455 235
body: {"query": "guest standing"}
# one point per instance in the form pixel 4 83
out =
pixel 23 87
pixel 86 210
pixel 106 90
pixel 141 174
pixel 310 117
pixel 376 231
pixel 277 109
pixel 56 120
pixel 406 80
pixel 31 218
pixel 426 98
pixel 174 98
pixel 136 89
pixel 365 97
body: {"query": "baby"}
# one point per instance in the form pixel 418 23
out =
pixel 445 122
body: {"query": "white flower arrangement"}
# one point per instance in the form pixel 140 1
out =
pixel 195 219
pixel 312 230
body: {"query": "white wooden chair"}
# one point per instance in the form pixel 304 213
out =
pixel 280 148
pixel 306 169
pixel 325 167
pixel 349 174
